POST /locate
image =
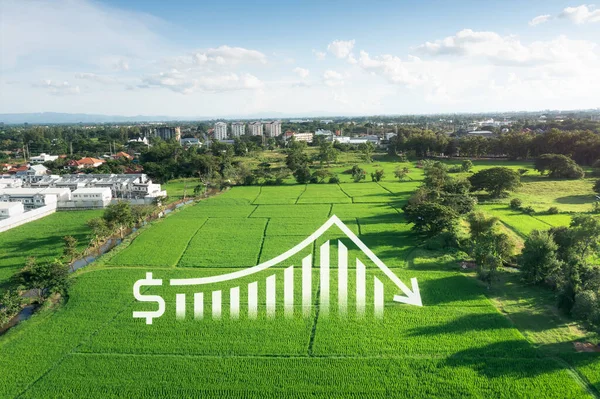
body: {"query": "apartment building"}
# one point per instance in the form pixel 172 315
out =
pixel 255 128
pixel 273 129
pixel 220 131
pixel 238 129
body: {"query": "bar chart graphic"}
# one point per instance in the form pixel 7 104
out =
pixel 278 290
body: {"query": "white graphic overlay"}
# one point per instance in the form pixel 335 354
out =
pixel 273 283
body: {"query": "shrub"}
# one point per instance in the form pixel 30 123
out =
pixel 377 175
pixel 302 174
pixel 587 306
pixel 516 203
pixel 466 165
pixel 538 259
pixel 455 169
pixel 522 171
pixel 334 180
pixel 553 211
pixel 358 173
pixel 401 173
pixel 528 210
pixel 596 207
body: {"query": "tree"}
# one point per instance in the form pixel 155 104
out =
pixel 496 181
pixel 430 218
pixel 327 153
pixel 558 166
pixel 302 175
pixel 367 151
pixel 538 260
pixel 436 175
pixel 45 278
pixel 119 216
pixel 358 173
pixel 70 249
pixel 99 230
pixel 489 247
pixel 377 175
pixel 466 165
pixel 401 173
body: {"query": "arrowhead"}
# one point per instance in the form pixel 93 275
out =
pixel 412 297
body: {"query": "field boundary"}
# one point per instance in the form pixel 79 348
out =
pixel 188 243
pixel 262 243
pixel 347 195
pixel 301 194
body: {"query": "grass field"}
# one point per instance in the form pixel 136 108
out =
pixel 457 345
pixel 41 238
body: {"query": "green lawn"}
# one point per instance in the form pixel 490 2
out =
pixel 466 341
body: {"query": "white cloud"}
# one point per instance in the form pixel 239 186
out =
pixel 187 83
pixel 540 19
pixel 319 54
pixel 581 15
pixel 121 65
pixel 392 68
pixel 508 50
pixel 302 72
pixel 57 88
pixel 230 55
pixel 333 78
pixel 341 48
pixel 96 78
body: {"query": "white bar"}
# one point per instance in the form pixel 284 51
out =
pixel 288 291
pixel 306 285
pixel 361 275
pixel 180 306
pixel 342 278
pixel 234 303
pixel 271 296
pixel 216 305
pixel 198 305
pixel 378 295
pixel 324 301
pixel 252 300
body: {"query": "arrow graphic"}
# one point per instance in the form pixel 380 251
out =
pixel 411 296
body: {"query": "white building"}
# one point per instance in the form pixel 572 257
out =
pixel 33 174
pixel 94 197
pixel 273 129
pixel 7 181
pixel 9 209
pixel 255 128
pixel 220 130
pixel 238 129
pixel 307 137
pixel 32 198
pixel 357 140
pixel 43 157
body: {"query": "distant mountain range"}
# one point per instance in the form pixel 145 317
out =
pixel 65 118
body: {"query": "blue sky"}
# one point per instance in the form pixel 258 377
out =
pixel 191 58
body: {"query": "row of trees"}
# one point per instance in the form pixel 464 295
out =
pixel 582 146
pixel 562 259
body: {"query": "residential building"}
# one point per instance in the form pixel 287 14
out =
pixel 307 136
pixel 191 141
pixel 326 121
pixel 238 129
pixel 357 140
pixel 255 128
pixel 31 173
pixel 220 131
pixel 43 157
pixel 122 154
pixel 9 209
pixel 8 181
pixel 32 198
pixel 87 162
pixel 482 133
pixel 273 129
pixel 122 186
pixel 94 197
pixel 168 133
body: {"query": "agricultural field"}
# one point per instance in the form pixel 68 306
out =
pixel 42 238
pixel 457 345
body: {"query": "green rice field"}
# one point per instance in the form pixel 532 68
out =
pixel 458 345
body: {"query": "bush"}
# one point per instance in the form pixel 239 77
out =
pixel 553 211
pixel 401 173
pixel 377 175
pixel 538 260
pixel 528 210
pixel 596 207
pixel 466 165
pixel 334 180
pixel 455 169
pixel 358 173
pixel 516 203
pixel 302 175
pixel 587 306
pixel 522 171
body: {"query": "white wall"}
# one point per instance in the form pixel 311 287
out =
pixel 26 217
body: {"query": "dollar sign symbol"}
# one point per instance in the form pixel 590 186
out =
pixel 148 298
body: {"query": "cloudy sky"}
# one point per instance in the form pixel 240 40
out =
pixel 192 58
